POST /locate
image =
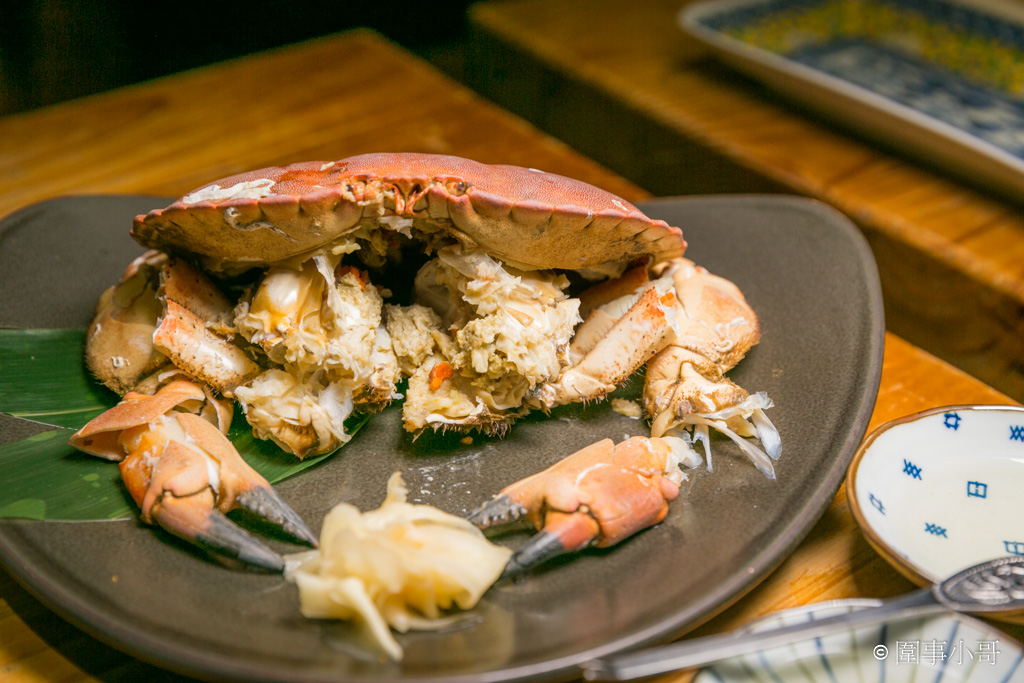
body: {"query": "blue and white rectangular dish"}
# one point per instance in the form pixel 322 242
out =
pixel 941 79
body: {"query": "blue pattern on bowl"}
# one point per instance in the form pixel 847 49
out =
pixel 955 64
pixel 987 114
pixel 938 12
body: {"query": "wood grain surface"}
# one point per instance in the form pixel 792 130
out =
pixel 332 98
pixel 322 100
pixel 626 86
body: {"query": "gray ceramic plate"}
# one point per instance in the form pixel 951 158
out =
pixel 804 268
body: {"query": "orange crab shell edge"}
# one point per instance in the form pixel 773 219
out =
pixel 524 216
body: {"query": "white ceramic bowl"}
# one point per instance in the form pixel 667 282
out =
pixel 942 490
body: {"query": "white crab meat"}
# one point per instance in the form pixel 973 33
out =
pixel 414 332
pixel 317 317
pixel 303 417
pixel 320 324
pixel 497 332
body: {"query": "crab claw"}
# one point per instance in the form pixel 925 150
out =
pixel 598 496
pixel 184 474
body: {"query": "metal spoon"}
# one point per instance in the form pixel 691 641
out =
pixel 994 586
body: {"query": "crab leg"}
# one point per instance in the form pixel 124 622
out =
pixel 604 292
pixel 184 473
pixel 119 348
pixel 642 331
pixel 598 496
pixel 188 332
pixel 685 386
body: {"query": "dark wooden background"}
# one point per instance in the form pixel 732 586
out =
pixel 55 50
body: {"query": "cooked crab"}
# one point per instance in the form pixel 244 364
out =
pixel 270 287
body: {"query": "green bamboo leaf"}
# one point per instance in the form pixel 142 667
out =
pixel 45 478
pixel 268 459
pixel 43 378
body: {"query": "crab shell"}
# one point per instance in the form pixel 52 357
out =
pixel 525 217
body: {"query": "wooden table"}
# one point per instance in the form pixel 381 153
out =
pixel 332 98
pixel 623 84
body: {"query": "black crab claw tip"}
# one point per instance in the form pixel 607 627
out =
pixel 498 510
pixel 539 549
pixel 222 537
pixel 268 504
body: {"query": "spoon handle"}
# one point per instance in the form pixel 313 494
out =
pixel 699 651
